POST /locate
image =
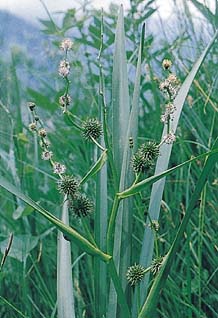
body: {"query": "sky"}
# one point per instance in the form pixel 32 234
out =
pixel 33 9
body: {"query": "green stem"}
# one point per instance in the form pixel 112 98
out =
pixel 117 284
pixel 13 307
pixel 88 233
pixel 200 244
pixel 70 116
pixel 111 226
pixel 97 144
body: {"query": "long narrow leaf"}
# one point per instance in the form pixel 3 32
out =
pixel 65 299
pixel 162 164
pixel 69 231
pixel 121 111
pixel 153 296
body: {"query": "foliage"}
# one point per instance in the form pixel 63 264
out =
pixel 170 215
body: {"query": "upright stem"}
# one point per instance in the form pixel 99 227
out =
pixel 111 226
pixel 120 294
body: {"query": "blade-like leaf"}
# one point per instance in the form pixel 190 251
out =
pixel 162 164
pixel 65 299
pixel 96 167
pixel 69 231
pixel 138 187
pixel 153 296
pixel 121 111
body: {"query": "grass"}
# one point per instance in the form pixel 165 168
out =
pixel 179 194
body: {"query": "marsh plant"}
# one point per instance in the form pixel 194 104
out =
pixel 97 221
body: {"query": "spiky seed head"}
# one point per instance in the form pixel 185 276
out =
pixel 145 156
pixel 135 274
pixel 81 206
pixel 91 128
pixel 156 264
pixel 166 64
pixel 68 185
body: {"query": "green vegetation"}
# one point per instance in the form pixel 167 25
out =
pixel 108 171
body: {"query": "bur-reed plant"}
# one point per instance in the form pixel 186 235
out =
pixel 108 239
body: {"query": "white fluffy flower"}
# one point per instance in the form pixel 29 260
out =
pixel 46 155
pixel 59 168
pixel 64 68
pixel 169 138
pixel 66 44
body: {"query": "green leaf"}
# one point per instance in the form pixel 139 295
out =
pixel 96 167
pixel 83 243
pixel 153 296
pixel 65 298
pixel 120 120
pixel 22 211
pixel 161 166
pixel 21 246
pixel 138 187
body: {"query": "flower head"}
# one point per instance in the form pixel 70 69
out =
pixel 64 68
pixel 81 206
pixel 164 118
pixel 172 79
pixel 170 87
pixel 58 168
pixel 65 100
pixel 166 64
pixel 42 132
pixel 91 128
pixel 145 156
pixel 32 126
pixel 66 44
pixel 170 138
pixel 170 108
pixel 154 224
pixel 47 155
pixel 135 274
pixel 68 185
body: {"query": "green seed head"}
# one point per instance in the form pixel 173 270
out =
pixel 145 156
pixel 91 128
pixel 156 264
pixel 81 206
pixel 68 185
pixel 135 274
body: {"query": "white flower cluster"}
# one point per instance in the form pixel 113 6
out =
pixel 66 45
pixel 58 168
pixel 169 138
pixel 169 87
pixel 64 71
pixel 64 68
